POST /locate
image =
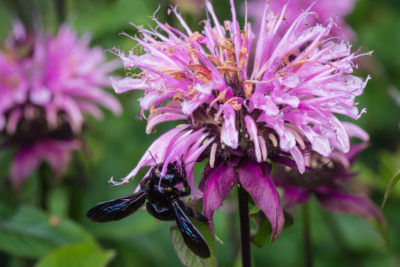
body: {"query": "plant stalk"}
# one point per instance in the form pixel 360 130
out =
pixel 244 227
pixel 307 236
pixel 44 186
pixel 60 11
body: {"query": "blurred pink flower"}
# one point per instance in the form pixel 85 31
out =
pixel 330 180
pixel 241 113
pixel 46 85
pixel 324 10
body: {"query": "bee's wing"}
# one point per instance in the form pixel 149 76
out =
pixel 116 209
pixel 192 237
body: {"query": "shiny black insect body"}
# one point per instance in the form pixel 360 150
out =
pixel 163 202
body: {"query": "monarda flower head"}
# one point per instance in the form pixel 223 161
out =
pixel 242 113
pixel 331 181
pixel 325 10
pixel 47 83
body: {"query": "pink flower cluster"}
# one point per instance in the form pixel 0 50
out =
pixel 46 85
pixel 244 104
pixel 324 10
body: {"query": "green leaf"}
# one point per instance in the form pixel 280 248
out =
pixel 260 236
pixel 273 169
pixel 186 256
pixel 117 16
pixel 77 255
pixel 58 201
pixel 32 233
pixel 389 188
pixel 383 230
pixel 121 230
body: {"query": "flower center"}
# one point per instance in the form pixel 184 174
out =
pixel 33 126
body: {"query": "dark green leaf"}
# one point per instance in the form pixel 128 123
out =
pixel 32 233
pixel 119 14
pixel 186 256
pixel 124 229
pixel 288 218
pixel 389 188
pixel 77 255
pixel 263 232
pixel 261 237
pixel 58 201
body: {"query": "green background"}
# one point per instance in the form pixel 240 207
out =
pixel 62 236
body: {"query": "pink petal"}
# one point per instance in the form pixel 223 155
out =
pixel 2 122
pixel 163 117
pixel 57 153
pixel 262 190
pixel 298 158
pixel 218 183
pixel 229 134
pixel 355 131
pixel 23 164
pixel 252 130
pixel 190 159
pixel 360 206
pixel 178 148
pixel 157 149
pixel 294 196
pixel 13 121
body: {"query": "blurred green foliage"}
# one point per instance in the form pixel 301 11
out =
pixel 62 236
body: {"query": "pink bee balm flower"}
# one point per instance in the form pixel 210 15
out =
pixel 330 181
pixel 243 113
pixel 46 85
pixel 324 10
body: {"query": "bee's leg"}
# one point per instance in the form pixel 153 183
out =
pixel 200 217
pixel 186 189
pixel 144 183
pixel 194 214
pixel 183 170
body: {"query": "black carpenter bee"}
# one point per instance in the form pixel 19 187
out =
pixel 163 202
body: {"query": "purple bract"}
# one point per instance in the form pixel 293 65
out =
pixel 331 182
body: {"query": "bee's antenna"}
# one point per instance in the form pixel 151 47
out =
pixel 185 164
pixel 152 157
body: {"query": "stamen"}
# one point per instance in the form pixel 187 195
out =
pixel 220 98
pixel 212 154
pixel 298 138
pixel 236 103
pixel 263 146
pixel 327 162
pixel 273 140
pixel 248 89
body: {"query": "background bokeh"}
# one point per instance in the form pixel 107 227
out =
pixel 114 145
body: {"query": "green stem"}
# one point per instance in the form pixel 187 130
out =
pixel 76 190
pixel 44 186
pixel 60 11
pixel 307 236
pixel 244 226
